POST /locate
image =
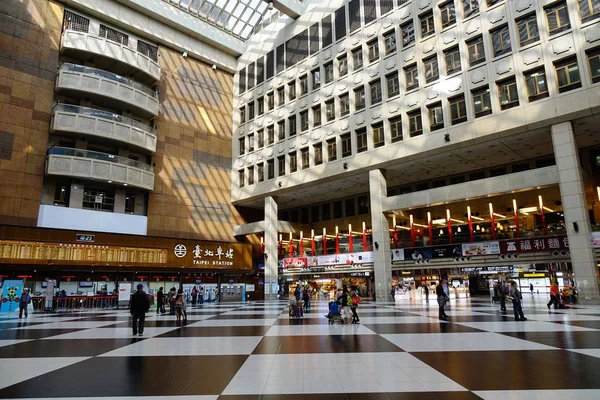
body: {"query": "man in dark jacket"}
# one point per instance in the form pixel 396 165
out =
pixel 441 299
pixel 23 302
pixel 160 301
pixel 138 307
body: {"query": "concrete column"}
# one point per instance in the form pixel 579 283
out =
pixel 271 263
pixel 381 235
pixel 76 195
pixel 119 206
pixel 575 209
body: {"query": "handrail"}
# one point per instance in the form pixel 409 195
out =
pixel 94 112
pixel 96 155
pixel 108 75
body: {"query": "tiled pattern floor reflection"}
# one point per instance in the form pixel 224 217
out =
pixel 252 351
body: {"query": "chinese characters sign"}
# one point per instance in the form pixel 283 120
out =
pixel 207 254
pixel 533 245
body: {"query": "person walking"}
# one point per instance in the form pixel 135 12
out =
pixel 194 296
pixel 138 306
pixel 306 298
pixel 426 289
pixel 201 295
pixel 442 298
pixel 531 288
pixel 393 293
pixel 24 301
pixel 160 301
pixel 355 303
pixel 554 293
pixel 502 293
pixel 180 306
pixel 516 297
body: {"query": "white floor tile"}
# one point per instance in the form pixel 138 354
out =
pixel 10 342
pixel 587 352
pixel 188 346
pixel 318 330
pixel 22 369
pixel 234 322
pixel 396 320
pixel 523 326
pixel 69 325
pixel 108 333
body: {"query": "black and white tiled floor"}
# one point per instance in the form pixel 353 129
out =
pixel 253 351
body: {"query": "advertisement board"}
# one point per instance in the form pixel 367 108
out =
pixel 416 254
pixel 450 251
pixel 124 291
pixel 532 245
pixel 398 255
pixel 11 293
pixel 596 239
pixel 480 249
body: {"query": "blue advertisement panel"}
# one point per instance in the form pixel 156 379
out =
pixel 11 293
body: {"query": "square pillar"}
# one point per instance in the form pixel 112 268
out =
pixel 576 214
pixel 76 195
pixel 270 239
pixel 381 236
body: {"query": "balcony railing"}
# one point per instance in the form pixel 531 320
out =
pixel 108 75
pixel 96 155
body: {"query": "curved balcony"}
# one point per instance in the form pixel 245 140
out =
pixel 107 89
pixel 98 166
pixel 108 54
pixel 102 124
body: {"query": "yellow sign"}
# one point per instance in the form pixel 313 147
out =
pixel 538 275
pixel 406 272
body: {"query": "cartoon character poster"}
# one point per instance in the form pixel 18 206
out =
pixel 11 293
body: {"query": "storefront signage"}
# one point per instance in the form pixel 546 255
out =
pixel 596 239
pixel 489 270
pixel 480 249
pixel 532 245
pixel 450 251
pixel 295 263
pixel 538 275
pixel 326 260
pixel 211 255
pixel 85 238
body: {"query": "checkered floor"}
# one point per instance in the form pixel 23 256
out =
pixel 253 351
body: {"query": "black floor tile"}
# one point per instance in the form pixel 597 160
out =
pixel 24 323
pixel 478 318
pixel 434 327
pixel 217 331
pixel 561 339
pixel 246 316
pixel 324 344
pixel 583 324
pixel 64 348
pixel 16 334
pixel 303 321
pixel 166 323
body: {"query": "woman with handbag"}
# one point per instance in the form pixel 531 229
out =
pixel 355 303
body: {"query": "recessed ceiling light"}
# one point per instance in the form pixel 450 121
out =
pixel 109 181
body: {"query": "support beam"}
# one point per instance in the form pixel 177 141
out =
pixel 291 8
pixel 381 235
pixel 271 263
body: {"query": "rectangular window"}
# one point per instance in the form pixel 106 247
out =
pixel 452 57
pixel 314 210
pixel 292 128
pixel 270 169
pixel 241 178
pixel 557 16
pixel 293 162
pixel 436 116
pixel 412 77
pixel 113 35
pixel 363 205
pixel 375 88
pixel 357 58
pixel 390 42
pixel 250 111
pixel 359 98
pixel 75 22
pixel 593 57
pixel 260 135
pixel 251 142
pixel 337 209
pixel 481 101
pixel 305 158
pixel 260 172
pixel 281 130
pixel 528 30
pixel 271 101
pixel 292 90
pixel 378 136
pixel 501 41
pixel 242 115
pixel 361 141
pixel 508 94
pixel 346 145
pixel 343 66
pixel 535 81
pixel 567 74
pixel 260 102
pixel 316 116
pixel 470 7
pixel 396 129
pixel 349 208
pixel 432 72
pixel 476 51
pixel 316 78
pixel 330 110
pixel 589 10
pixel 458 109
pixel 281 165
pixel 318 149
pixel 373 50
pixel 303 85
pixel 408 34
pixel 326 211
pixel 415 124
pixel 280 96
pixel 448 14
pixel 344 104
pixel 328 72
pixel 304 121
pixel 427 27
pixel 242 142
pixel 393 85
pixel 270 135
pixel 250 175
pixel 331 150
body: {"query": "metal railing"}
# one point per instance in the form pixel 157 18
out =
pixel 93 112
pixel 108 75
pixel 96 155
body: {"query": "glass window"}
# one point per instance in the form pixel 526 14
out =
pixel 293 162
pixel 412 77
pixel 589 10
pixel 260 102
pixel 292 90
pixel 316 116
pixel 481 101
pixel 557 16
pixel 375 87
pixel 501 41
pixel 251 111
pixel 536 84
pixel 270 169
pixel 251 142
pixel 343 66
pixel 314 214
pixel 242 115
pixel 393 84
pixel 346 145
pixel 448 14
pixel 432 72
pixel 567 74
pixel 363 205
pixel 349 208
pixel 344 104
pixel 281 165
pixel 427 27
pixel 318 149
pixel 281 130
pixel 415 125
pixel 492 2
pixel 378 135
pixel 470 7
pixel 390 42
pixel 373 50
pixel 337 209
pixel 241 178
pixel 304 120
pixel 328 72
pixel 508 94
pixel 396 129
pixel 452 57
pixel 528 30
pixel 593 57
pixel 326 211
pixel 316 78
pixel 260 136
pixel 458 109
pixel 61 194
pixel 250 175
pixel 331 150
pixel 270 134
pixel 292 125
pixel 280 96
pixel 271 101
pixel 303 85
pixel 330 110
pixel 359 98
pixel 260 172
pixel 436 116
pixel 361 141
pixel 242 146
pixel 305 158
pixel 408 34
pixel 476 51
pixel 357 58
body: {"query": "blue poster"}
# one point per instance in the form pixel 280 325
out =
pixel 11 293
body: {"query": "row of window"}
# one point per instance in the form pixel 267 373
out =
pixel 349 207
pixel 567 75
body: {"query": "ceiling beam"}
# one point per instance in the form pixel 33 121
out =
pixel 291 8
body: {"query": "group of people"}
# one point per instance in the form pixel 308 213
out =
pixel 510 291
pixel 177 301
pixel 348 300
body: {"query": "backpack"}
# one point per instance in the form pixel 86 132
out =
pixel 355 300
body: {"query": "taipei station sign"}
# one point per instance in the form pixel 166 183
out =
pixel 214 255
